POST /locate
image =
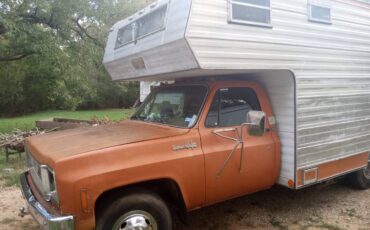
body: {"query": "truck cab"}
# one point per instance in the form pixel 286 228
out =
pixel 189 145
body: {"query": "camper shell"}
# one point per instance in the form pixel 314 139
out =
pixel 311 57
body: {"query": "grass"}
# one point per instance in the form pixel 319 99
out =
pixel 27 122
pixel 351 212
pixel 9 171
pixel 316 221
pixel 276 223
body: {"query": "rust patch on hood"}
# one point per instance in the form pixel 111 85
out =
pixel 52 147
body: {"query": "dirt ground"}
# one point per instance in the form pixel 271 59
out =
pixel 331 207
pixel 10 202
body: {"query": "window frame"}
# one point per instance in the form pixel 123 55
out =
pixel 218 93
pixel 133 23
pixel 155 31
pixel 245 22
pixel 310 6
pixel 132 35
pixel 156 89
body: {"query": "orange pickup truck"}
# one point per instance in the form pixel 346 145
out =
pixel 265 92
pixel 189 145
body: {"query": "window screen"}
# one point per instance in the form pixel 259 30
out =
pixel 319 14
pixel 148 24
pixel 253 12
pixel 230 107
pixel 125 35
pixel 152 22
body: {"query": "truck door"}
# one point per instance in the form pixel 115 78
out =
pixel 231 172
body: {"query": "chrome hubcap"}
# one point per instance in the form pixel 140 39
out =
pixel 136 220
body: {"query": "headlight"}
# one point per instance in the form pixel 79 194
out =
pixel 44 178
pixel 48 183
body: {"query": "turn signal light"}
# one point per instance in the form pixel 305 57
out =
pixel 85 200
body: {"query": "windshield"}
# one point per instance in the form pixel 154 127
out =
pixel 175 106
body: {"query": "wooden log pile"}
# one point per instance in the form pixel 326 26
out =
pixel 15 140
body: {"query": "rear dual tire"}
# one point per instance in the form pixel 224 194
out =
pixel 360 179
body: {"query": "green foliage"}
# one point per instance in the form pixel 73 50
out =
pixel 51 55
pixel 27 122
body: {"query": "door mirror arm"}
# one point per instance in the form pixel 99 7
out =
pixel 238 142
pixel 256 121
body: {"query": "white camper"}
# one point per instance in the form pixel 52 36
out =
pixel 312 57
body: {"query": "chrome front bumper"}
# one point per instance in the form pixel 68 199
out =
pixel 40 214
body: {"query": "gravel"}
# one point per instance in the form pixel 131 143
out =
pixel 332 207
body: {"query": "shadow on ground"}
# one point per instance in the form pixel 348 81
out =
pixel 321 207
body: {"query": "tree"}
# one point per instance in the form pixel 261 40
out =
pixel 52 50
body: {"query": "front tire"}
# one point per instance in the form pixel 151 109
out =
pixel 140 210
pixel 360 179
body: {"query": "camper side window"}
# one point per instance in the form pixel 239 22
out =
pixel 321 14
pixel 250 12
pixel 125 35
pixel 148 24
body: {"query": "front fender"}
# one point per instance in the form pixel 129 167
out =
pixel 103 170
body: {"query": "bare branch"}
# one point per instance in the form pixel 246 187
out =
pixel 85 32
pixel 15 57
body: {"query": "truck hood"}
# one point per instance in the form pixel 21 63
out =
pixel 56 146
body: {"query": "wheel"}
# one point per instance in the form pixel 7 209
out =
pixel 360 179
pixel 136 211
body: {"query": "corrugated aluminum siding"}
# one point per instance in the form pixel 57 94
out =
pixel 333 116
pixel 280 87
pixel 161 52
pixel 331 64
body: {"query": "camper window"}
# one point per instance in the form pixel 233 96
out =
pixel 144 26
pixel 151 22
pixel 319 14
pixel 250 12
pixel 125 35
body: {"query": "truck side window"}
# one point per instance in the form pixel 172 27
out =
pixel 230 107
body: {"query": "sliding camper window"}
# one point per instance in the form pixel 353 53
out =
pixel 250 12
pixel 230 107
pixel 320 14
pixel 142 27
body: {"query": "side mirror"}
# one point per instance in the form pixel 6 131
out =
pixel 257 123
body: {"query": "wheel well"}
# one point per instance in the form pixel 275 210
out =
pixel 167 189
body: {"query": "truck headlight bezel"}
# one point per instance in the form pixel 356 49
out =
pixel 44 178
pixel 48 182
